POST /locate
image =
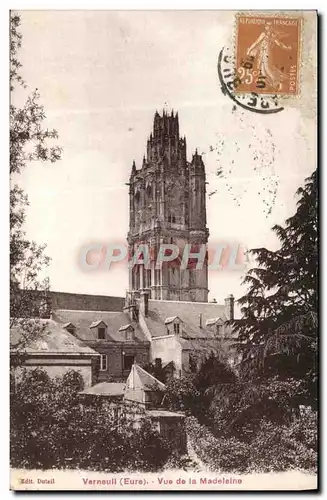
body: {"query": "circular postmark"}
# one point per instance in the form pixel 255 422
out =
pixel 229 80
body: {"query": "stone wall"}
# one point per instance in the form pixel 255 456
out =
pixel 58 367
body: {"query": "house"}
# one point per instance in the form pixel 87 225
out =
pixel 176 335
pixel 143 388
pixel 114 335
pixel 184 334
pixel 53 349
pixel 144 392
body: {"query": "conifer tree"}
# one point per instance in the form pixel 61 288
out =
pixel 278 328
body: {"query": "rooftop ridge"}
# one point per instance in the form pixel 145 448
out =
pixel 87 294
pixel 89 311
pixel 187 302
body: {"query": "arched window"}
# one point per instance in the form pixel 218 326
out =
pixel 149 191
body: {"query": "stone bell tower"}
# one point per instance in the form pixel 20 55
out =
pixel 167 206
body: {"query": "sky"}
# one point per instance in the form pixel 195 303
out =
pixel 101 76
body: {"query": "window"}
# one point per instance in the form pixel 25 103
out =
pixel 70 328
pixel 128 362
pixel 219 329
pixel 103 362
pixel 129 334
pixel 193 363
pixel 148 278
pixel 176 327
pixel 101 333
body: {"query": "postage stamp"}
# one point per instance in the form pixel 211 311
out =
pixel 268 54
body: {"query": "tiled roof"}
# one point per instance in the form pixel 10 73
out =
pixel 85 302
pixel 84 319
pixel 66 325
pixel 208 345
pixel 171 319
pixel 54 339
pixel 164 413
pixel 98 323
pixel 125 327
pixel 140 379
pixel 106 389
pixel 213 321
pixel 188 312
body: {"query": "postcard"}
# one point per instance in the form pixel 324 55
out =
pixel 163 250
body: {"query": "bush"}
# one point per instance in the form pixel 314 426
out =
pixel 218 454
pixel 272 448
pixel 50 428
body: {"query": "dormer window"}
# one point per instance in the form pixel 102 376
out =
pixel 101 328
pixel 70 328
pixel 128 332
pixel 173 325
pixel 101 333
pixel 215 324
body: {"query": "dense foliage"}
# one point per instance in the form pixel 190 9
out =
pixel 273 448
pixel 278 329
pixel 51 428
pixel 264 416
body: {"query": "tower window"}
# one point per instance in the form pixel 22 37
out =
pixel 149 191
pixel 148 277
pixel 176 328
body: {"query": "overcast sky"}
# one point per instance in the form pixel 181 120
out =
pixel 101 76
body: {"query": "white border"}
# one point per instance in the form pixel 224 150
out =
pixel 4 184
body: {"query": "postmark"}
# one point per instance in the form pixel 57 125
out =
pixel 230 81
pixel 268 54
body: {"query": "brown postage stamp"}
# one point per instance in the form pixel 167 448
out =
pixel 267 54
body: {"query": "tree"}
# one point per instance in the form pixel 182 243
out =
pixel 278 330
pixel 52 427
pixel 29 142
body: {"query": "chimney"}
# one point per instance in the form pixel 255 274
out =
pixel 229 307
pixel 200 320
pixel 144 301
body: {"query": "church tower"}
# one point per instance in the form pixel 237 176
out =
pixel 167 206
